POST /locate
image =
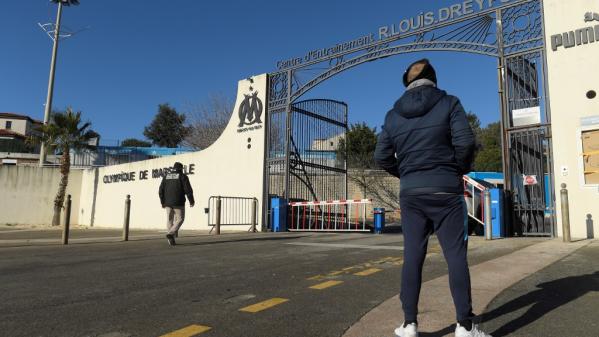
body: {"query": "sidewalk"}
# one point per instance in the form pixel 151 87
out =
pixel 560 300
pixel 23 236
pixel 490 279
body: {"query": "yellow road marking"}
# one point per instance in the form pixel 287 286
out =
pixel 397 262
pixel 392 260
pixel 314 278
pixel 189 331
pixel 325 285
pixel 368 272
pixel 264 305
pixel 389 260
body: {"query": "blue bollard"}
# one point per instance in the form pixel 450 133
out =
pixel 497 216
pixel 379 220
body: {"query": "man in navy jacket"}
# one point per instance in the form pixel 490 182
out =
pixel 426 141
pixel 173 189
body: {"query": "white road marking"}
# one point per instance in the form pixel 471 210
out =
pixel 343 245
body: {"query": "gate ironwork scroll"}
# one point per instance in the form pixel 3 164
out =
pixel 511 31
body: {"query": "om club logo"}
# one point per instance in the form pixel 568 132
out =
pixel 250 110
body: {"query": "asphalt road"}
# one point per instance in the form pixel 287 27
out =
pixel 146 288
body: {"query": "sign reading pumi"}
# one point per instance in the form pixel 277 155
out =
pixel 394 31
pixel 577 37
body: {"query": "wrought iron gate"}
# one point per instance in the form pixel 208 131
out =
pixel 530 193
pixel 303 145
pixel 527 146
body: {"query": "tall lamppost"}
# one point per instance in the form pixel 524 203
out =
pixel 55 37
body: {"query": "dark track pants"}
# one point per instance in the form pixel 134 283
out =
pixel 446 215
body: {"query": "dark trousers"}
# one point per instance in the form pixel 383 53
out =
pixel 446 215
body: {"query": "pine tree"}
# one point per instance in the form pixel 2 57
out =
pixel 358 146
pixel 168 127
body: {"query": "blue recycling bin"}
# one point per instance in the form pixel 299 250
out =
pixel 278 214
pixel 379 220
pixel 497 215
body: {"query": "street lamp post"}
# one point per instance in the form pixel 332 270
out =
pixel 48 107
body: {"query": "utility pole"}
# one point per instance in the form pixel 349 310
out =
pixel 55 36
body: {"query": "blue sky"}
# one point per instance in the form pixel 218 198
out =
pixel 137 54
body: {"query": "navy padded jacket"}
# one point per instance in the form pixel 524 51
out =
pixel 173 189
pixel 426 142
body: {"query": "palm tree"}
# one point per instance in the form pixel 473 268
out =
pixel 64 132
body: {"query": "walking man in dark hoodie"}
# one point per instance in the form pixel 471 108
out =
pixel 427 142
pixel 173 189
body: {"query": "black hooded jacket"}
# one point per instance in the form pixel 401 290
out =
pixel 173 189
pixel 426 142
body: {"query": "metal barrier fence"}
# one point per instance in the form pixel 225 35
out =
pixel 332 215
pixel 232 211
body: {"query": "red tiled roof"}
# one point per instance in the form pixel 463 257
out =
pixel 9 133
pixel 18 116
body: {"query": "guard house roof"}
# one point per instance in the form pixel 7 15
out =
pixel 10 115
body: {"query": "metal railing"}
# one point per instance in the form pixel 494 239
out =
pixel 232 211
pixel 106 156
pixel 474 195
pixel 332 215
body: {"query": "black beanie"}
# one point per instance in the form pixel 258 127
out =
pixel 178 167
pixel 427 72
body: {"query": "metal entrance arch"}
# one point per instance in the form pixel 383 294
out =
pixel 511 31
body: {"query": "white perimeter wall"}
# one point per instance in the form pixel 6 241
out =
pixel 572 72
pixel 227 168
pixel 27 194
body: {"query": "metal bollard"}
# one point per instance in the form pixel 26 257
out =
pixel 254 214
pixel 218 208
pixel 67 222
pixel 488 217
pixel 379 220
pixel 565 213
pixel 127 218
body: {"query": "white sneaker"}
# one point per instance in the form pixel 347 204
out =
pixel 460 331
pixel 409 331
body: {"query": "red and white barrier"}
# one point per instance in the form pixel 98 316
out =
pixel 474 195
pixel 329 216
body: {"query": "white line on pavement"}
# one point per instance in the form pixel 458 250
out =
pixel 342 245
